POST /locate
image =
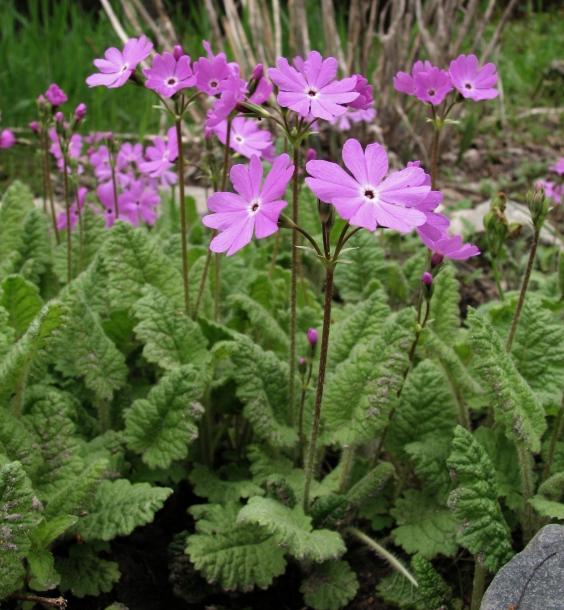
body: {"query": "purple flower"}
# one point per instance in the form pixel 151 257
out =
pixel 450 246
pixel 74 211
pixel 254 208
pixel 130 153
pixel 232 91
pixel 432 86
pixel 119 66
pixel 261 93
pixel 310 90
pixel 471 82
pixel 311 155
pixel 246 138
pixel 211 71
pixel 106 196
pixel 554 191
pixel 427 279
pixel 258 72
pixel 139 200
pixel 34 126
pixel 168 75
pixel 366 200
pixel 406 83
pixel 7 139
pixel 312 337
pixel 80 112
pixel 558 167
pixel 345 121
pixel 55 95
pixel 59 117
pixel 160 155
pixel 364 101
pixel 177 52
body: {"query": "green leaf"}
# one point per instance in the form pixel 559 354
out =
pixel 14 367
pixel 430 458
pixel 42 570
pixel 35 246
pixel 17 520
pixel 18 444
pixel 330 586
pixel 445 314
pixel 548 508
pixel 119 507
pixel 327 511
pixel 85 573
pixel 370 485
pixel 261 321
pixel 171 337
pixel 228 485
pixel 162 426
pixel 553 487
pixel 233 555
pixel 363 389
pixel 7 333
pixel 17 202
pixel 515 405
pixel 483 531
pixel 360 327
pixel 292 529
pixel 400 592
pixel 433 589
pixel 424 526
pixel 48 531
pixel 21 300
pixel 134 259
pixel 426 410
pixel 262 386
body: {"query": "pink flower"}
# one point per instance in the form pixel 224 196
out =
pixel 246 138
pixel 62 218
pixel 261 93
pixel 253 209
pixel 450 246
pixel 119 66
pixel 34 126
pixel 232 91
pixel 364 101
pixel 130 153
pixel 55 95
pixel 366 200
pixel 80 112
pixel 432 86
pixel 312 337
pixel 139 200
pixel 553 191
pixel 345 121
pixel 406 83
pixel 210 72
pixel 7 139
pixel 106 196
pixel 558 167
pixel 168 75
pixel 160 155
pixel 310 90
pixel 471 82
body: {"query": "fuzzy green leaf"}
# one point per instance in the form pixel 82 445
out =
pixel 360 327
pixel 17 520
pixel 119 507
pixel 292 529
pixel 42 570
pixel 548 508
pixel 444 306
pixel 21 300
pixel 162 426
pixel 18 444
pixel 233 555
pixel 400 592
pixel 262 386
pixel 35 245
pixel 363 389
pixel 424 526
pixel 7 333
pixel 48 531
pixel 330 586
pixel 14 367
pixel 514 403
pixel 171 338
pixel 433 589
pixel 17 202
pixel 370 484
pixel 483 531
pixel 228 485
pixel 85 573
pixel 134 259
pixel 553 487
pixel 426 410
pixel 430 458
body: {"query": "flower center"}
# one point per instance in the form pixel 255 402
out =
pixel 171 82
pixel 238 139
pixel 213 84
pixel 254 206
pixel 311 92
pixel 124 68
pixel 468 85
pixel 369 194
pixel 431 92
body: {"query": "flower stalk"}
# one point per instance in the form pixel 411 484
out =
pixel 183 224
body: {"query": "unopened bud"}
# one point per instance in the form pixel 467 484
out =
pixel 312 337
pixel 34 126
pixel 59 117
pixel 538 205
pixel 428 288
pixel 258 72
pixel 427 279
pixel 177 52
pixel 302 366
pixel 311 155
pixel 436 259
pixel 80 112
pixel 326 212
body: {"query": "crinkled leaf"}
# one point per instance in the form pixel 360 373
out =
pixel 263 464
pixel 363 389
pixel 21 300
pixel 42 570
pixel 426 410
pixel 330 586
pixel 119 507
pixel 228 485
pixel 162 426
pixel 433 589
pixel 17 202
pixel 18 444
pixel 7 333
pixel 233 555
pixel 484 531
pixel 171 338
pixel 370 484
pixel 17 520
pixel 445 313
pixel 292 529
pixel 48 531
pixel 85 573
pixel 35 246
pixel 515 405
pixel 430 459
pixel 424 526
pixel 553 487
pixel 548 508
pixel 400 592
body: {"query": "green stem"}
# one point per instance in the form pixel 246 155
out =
pixel 274 255
pixel 293 286
pixel 523 292
pixel 114 184
pixel 301 414
pixel 526 478
pixel 478 585
pixel 67 209
pixel 385 554
pixel 497 278
pixel 555 436
pixel 202 282
pixel 50 187
pixel 183 224
pixel 347 461
pixel 80 232
pixel 310 463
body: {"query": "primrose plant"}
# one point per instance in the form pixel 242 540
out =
pixel 315 392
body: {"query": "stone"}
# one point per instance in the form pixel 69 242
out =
pixel 533 579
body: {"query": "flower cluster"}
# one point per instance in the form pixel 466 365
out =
pixel 431 84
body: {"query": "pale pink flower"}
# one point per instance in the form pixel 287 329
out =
pixel 471 82
pixel 74 211
pixel 246 138
pixel 450 246
pixel 406 82
pixel 139 200
pixel 432 86
pixel 168 75
pixel 255 208
pixel 106 196
pixel 161 155
pixel 364 101
pixel 558 167
pixel 211 71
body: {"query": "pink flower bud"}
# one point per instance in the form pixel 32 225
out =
pixel 427 279
pixel 436 259
pixel 177 52
pixel 109 135
pixel 258 72
pixel 80 112
pixel 302 366
pixel 7 139
pixel 55 95
pixel 41 99
pixel 34 126
pixel 59 117
pixel 312 337
pixel 311 155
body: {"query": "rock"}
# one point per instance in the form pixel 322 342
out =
pixel 533 579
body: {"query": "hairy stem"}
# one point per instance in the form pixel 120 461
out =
pixel 305 386
pixel 478 585
pixel 80 232
pixel 293 286
pixel 114 184
pixel 202 282
pixel 57 602
pixel 555 436
pixel 495 268
pixel 50 186
pixel 347 461
pixel 435 161
pixel 523 290
pixel 310 463
pixel 67 210
pixel 183 224
pixel 526 477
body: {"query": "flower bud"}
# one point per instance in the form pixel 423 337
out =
pixel 436 260
pixel 427 279
pixel 177 52
pixel 428 288
pixel 34 126
pixel 258 72
pixel 312 337
pixel 311 155
pixel 55 95
pixel 538 205
pixel 59 117
pixel 80 112
pixel 326 213
pixel 302 366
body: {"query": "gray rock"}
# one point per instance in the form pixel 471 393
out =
pixel 533 579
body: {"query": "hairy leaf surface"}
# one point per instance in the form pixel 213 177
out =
pixel 330 586
pixel 444 306
pixel 17 202
pixel 35 245
pixel 228 485
pixel 85 573
pixel 21 300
